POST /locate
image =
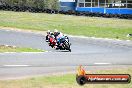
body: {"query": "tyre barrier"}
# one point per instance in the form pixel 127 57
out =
pixel 69 12
pixel 81 80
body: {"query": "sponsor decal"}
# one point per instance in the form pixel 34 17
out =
pixel 83 78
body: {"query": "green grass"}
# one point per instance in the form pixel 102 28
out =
pixel 75 25
pixel 64 81
pixel 18 49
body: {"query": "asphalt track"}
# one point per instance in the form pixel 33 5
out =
pixel 92 53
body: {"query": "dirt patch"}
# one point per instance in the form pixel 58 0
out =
pixel 7 46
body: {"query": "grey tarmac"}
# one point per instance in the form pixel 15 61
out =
pixel 94 54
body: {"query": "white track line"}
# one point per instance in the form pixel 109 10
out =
pixel 16 65
pixel 23 52
pixel 102 63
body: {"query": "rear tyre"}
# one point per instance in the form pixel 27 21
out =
pixel 69 50
pixel 47 40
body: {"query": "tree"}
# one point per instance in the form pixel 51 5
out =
pixel 43 4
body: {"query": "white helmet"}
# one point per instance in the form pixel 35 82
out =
pixel 48 32
pixel 55 30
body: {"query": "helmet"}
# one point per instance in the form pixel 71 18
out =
pixel 55 31
pixel 48 32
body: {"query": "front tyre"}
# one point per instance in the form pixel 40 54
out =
pixel 67 45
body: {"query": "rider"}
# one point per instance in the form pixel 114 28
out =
pixel 58 36
pixel 52 41
pixel 56 33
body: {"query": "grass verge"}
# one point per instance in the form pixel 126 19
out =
pixel 4 48
pixel 75 25
pixel 63 81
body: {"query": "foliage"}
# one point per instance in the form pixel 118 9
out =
pixel 42 4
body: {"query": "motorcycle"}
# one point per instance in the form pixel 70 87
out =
pixel 64 44
pixel 60 43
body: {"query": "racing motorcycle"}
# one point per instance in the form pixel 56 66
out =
pixel 64 44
